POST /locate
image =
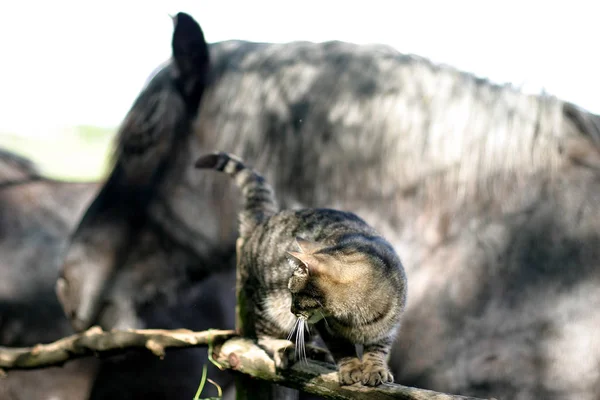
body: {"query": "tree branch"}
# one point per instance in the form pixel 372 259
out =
pixel 320 378
pixel 229 351
pixel 97 342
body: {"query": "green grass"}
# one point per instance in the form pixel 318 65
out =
pixel 79 154
pixel 201 387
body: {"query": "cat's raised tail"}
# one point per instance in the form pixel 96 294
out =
pixel 258 198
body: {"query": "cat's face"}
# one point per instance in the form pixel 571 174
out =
pixel 322 282
pixel 306 295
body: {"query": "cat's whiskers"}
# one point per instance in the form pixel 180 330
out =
pixel 323 315
pixel 302 340
pixel 297 341
pixel 300 345
pixel 325 319
pixel 294 328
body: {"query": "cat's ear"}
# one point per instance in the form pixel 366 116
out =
pixel 307 246
pixel 306 262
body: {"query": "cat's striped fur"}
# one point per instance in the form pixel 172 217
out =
pixel 324 267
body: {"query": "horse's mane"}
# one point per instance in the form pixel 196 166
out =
pixel 368 119
pixel 444 131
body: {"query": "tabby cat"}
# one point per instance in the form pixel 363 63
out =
pixel 318 268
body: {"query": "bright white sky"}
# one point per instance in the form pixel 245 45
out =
pixel 79 62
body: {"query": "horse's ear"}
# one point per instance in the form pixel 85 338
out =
pixel 190 56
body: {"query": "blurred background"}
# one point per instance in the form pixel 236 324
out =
pixel 70 70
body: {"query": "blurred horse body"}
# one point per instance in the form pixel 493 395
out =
pixel 37 216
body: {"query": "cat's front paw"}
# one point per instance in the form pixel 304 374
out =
pixel 374 374
pixel 350 371
pixel 281 351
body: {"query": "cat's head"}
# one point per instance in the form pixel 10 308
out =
pixel 326 280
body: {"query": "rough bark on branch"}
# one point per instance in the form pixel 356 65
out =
pixel 320 378
pixel 95 341
pixel 229 351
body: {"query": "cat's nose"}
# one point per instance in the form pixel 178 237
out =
pixel 294 310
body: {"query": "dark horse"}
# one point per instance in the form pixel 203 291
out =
pixel 491 197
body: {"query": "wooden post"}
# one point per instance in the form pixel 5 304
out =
pixel 246 387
